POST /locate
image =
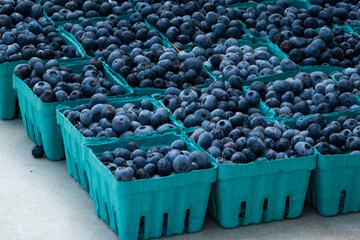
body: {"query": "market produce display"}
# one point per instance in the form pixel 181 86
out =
pixel 154 101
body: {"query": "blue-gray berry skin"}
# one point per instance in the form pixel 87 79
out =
pixel 124 174
pixel 182 164
pixel 303 149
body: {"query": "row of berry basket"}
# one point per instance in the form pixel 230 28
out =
pixel 235 194
pixel 240 194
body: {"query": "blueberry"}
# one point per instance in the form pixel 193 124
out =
pixel 250 155
pixel 121 123
pixel 205 140
pixel 239 157
pixel 182 164
pixel 256 145
pixel 142 174
pixel 326 34
pixel 139 162
pixel 253 97
pixel 40 87
pixel 150 169
pixel 86 117
pixel 48 96
pixel 161 116
pixel 124 174
pixel 188 95
pixel 272 132
pixel 347 99
pixel 179 145
pixel 303 149
pixel 90 85
pixel 225 126
pixel 350 124
pixel 97 98
pixel 201 159
pixel 107 156
pixel 38 152
pixel 164 167
pixel 120 161
pixel 352 144
pixel 287 65
pixel 143 130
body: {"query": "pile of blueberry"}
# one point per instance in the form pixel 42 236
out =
pixel 244 61
pixel 350 77
pixel 283 21
pixel 62 10
pixel 341 136
pixel 192 22
pixel 102 38
pixel 44 43
pixel 132 162
pixel 251 140
pixel 19 13
pixel 328 46
pixel 343 12
pixel 295 32
pixel 100 119
pixel 232 2
pixel 159 67
pixel 221 100
pixel 306 94
pixel 52 83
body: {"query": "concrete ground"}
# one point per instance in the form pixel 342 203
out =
pixel 39 200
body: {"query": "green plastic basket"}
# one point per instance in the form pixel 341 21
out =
pixel 335 183
pixel 329 70
pixel 164 39
pixel 191 45
pixel 71 40
pixel 78 45
pixel 261 191
pixel 40 118
pixel 8 97
pixel 299 4
pixel 274 50
pixel 73 138
pixel 264 109
pixel 326 69
pixel 143 209
pixel 295 3
pixel 77 21
pixel 59 24
pixel 138 92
